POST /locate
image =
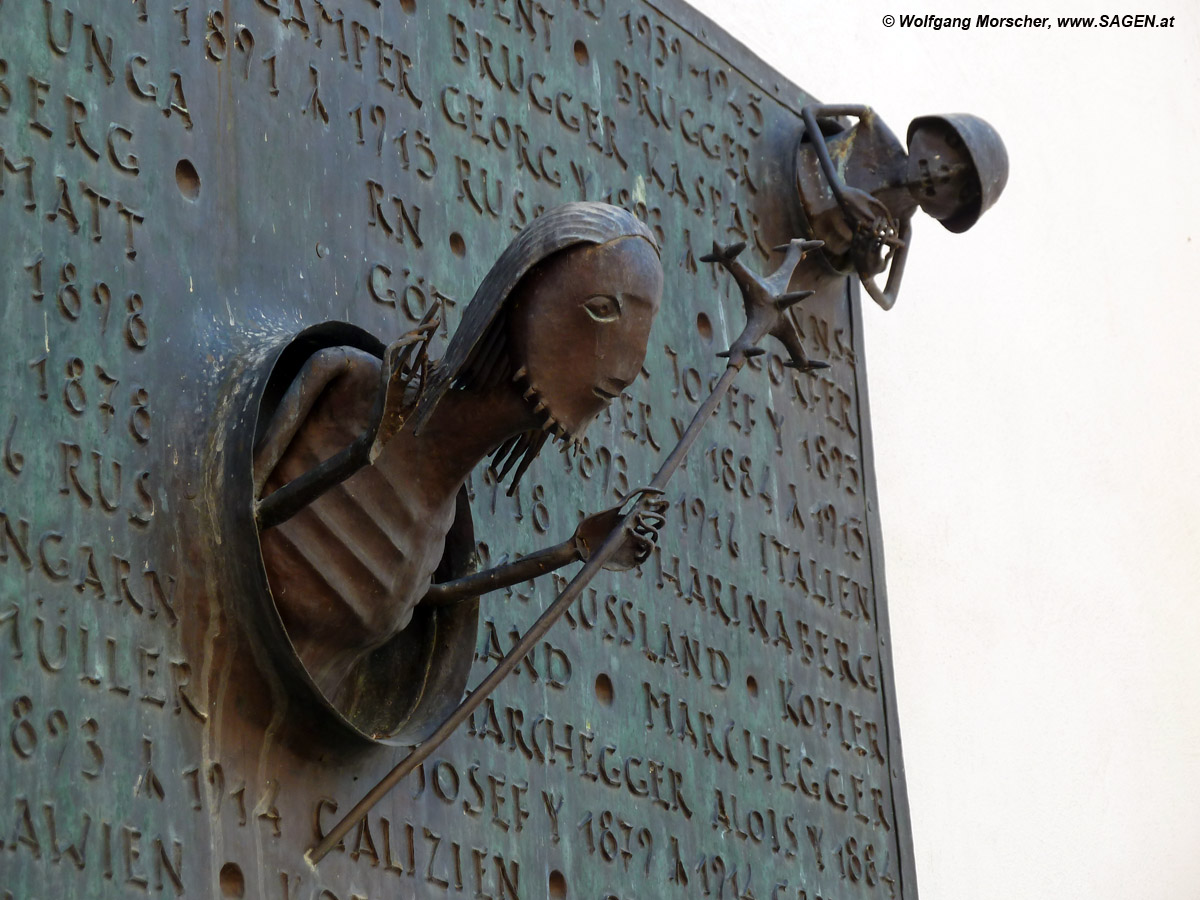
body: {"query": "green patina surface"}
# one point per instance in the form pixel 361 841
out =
pixel 186 184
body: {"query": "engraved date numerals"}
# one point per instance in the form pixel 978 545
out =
pixel 68 749
pixel 615 840
pixel 76 299
pixel 81 390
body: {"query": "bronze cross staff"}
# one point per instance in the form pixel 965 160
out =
pixel 766 301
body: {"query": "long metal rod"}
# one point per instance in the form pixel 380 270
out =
pixel 551 615
pixel 675 459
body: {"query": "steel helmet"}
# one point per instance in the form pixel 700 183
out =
pixel 970 149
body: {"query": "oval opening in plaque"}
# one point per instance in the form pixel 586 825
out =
pixel 399 691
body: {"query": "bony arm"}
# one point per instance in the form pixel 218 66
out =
pixel 861 210
pixel 810 114
pixel 538 563
pixel 887 297
pixel 317 373
pixel 386 417
pixel 640 539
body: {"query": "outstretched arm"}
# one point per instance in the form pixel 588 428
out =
pixel 591 533
pixel 538 563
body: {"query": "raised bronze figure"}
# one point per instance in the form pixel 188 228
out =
pixel 859 189
pixel 246 644
pixel 557 329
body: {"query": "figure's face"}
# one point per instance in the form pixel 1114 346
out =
pixel 579 325
pixel 941 172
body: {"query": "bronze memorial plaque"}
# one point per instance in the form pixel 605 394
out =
pixel 280 277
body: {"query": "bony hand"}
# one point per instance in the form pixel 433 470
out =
pixel 641 531
pixel 869 216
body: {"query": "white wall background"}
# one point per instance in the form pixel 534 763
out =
pixel 1036 408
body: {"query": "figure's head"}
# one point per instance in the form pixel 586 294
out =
pixel 578 325
pixel 564 315
pixel 957 167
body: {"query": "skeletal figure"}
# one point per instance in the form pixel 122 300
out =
pixel 859 189
pixel 557 329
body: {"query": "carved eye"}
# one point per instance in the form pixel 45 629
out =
pixel 603 308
